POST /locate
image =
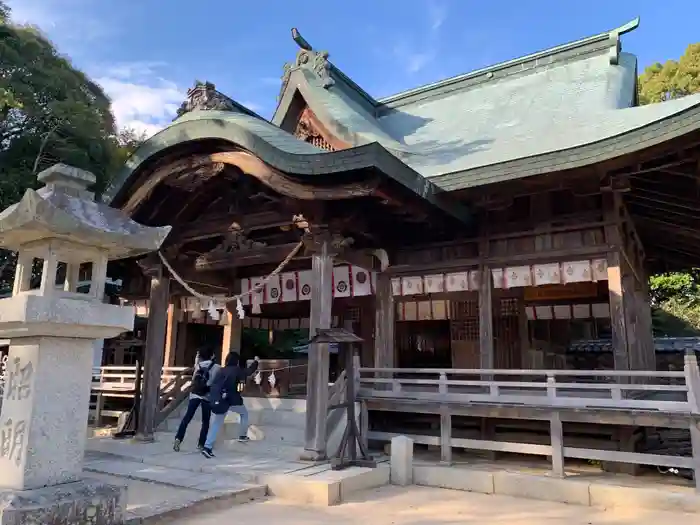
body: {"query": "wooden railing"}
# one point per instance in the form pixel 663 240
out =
pixel 639 399
pixel 120 382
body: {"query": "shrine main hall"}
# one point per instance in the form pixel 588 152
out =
pixel 492 220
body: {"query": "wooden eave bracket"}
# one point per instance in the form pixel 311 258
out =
pixel 615 183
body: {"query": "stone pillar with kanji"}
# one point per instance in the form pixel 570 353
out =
pixel 52 325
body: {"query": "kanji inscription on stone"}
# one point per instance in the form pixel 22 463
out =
pixel 18 380
pixel 12 435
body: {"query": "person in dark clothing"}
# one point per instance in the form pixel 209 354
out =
pixel 205 371
pixel 225 397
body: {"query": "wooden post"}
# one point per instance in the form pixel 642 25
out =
pixel 232 335
pixel 524 333
pixel 154 350
pixel 367 321
pixel 486 351
pixel 384 353
pixel 556 433
pixel 645 332
pixel 171 335
pixel 445 435
pixel 181 346
pixel 618 319
pixel 634 354
pixel 317 382
pixel 612 203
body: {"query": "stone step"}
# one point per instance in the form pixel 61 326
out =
pixel 270 434
pixel 278 417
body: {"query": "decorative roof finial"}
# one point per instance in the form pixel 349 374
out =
pixel 316 61
pixel 300 40
pixel 204 96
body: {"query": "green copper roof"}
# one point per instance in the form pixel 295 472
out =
pixel 461 131
pixel 280 150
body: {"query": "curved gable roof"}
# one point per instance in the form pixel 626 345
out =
pixel 280 150
pixel 500 122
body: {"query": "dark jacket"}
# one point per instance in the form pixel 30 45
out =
pixel 224 389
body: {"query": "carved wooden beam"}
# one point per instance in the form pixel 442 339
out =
pixel 317 235
pixel 310 129
pixel 216 226
pixel 251 165
pixel 237 259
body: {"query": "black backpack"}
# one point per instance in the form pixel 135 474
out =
pixel 200 380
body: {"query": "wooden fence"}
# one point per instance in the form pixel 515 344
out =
pixel 638 399
pixel 119 382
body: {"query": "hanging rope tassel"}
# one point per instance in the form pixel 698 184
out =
pixel 239 309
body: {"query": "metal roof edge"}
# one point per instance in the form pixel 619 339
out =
pixel 612 37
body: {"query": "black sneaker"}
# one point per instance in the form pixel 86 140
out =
pixel 243 439
pixel 208 453
pixel 176 445
pixel 200 447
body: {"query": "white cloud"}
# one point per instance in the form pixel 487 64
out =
pixel 437 15
pixel 414 55
pixel 141 99
pixel 58 19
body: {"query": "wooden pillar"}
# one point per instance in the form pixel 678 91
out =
pixel 618 319
pixel 645 332
pixel 317 382
pixel 367 321
pixel 634 356
pixel 523 332
pixel 154 350
pixel 232 335
pixel 486 351
pixel 169 355
pixel 384 327
pixel 181 346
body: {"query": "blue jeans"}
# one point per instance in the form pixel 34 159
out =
pixel 192 406
pixel 218 419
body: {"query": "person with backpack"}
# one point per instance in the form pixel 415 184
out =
pixel 205 372
pixel 225 397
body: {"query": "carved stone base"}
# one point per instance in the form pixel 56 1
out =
pixel 84 502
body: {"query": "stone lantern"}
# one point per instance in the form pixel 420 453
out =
pixel 52 326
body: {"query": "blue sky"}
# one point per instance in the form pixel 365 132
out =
pixel 146 55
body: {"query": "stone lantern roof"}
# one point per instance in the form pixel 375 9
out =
pixel 65 210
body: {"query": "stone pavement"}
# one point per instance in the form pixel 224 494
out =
pixel 166 483
pixel 430 506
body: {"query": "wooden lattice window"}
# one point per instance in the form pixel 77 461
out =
pixel 352 314
pixel 464 330
pixel 509 307
pixel 464 309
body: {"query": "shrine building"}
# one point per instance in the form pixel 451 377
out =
pixel 490 220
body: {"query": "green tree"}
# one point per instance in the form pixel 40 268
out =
pixel 49 112
pixel 673 79
pixel 675 296
pixel 4 12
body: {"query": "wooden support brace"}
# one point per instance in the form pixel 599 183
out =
pixel 557 439
pixel 445 436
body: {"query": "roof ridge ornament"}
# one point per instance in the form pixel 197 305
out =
pixel 307 57
pixel 204 96
pixel 614 36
